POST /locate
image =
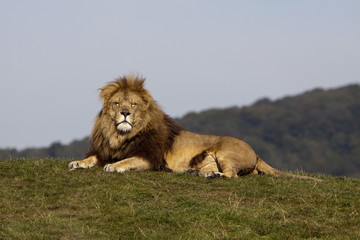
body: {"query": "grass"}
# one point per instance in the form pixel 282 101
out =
pixel 42 199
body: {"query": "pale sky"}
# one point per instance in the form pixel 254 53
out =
pixel 195 54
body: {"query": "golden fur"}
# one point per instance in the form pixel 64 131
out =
pixel 132 133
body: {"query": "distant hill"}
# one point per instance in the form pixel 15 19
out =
pixel 318 131
pixel 76 149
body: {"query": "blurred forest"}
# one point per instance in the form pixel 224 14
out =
pixel 317 132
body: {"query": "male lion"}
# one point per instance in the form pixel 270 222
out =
pixel 131 133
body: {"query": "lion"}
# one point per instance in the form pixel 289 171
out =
pixel 132 133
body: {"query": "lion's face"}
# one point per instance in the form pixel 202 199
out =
pixel 127 110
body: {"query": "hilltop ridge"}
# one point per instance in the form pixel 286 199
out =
pixel 317 131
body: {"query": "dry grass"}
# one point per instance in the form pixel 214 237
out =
pixel 41 199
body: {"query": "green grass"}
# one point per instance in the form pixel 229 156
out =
pixel 42 199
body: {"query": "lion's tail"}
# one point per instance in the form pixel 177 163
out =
pixel 263 168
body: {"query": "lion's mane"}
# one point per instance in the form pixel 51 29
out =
pixel 151 139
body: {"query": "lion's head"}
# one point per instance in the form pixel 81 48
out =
pixel 129 124
pixel 127 104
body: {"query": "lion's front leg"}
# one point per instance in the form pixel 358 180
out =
pixel 86 163
pixel 128 164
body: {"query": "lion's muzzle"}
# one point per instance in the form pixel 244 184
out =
pixel 124 123
pixel 125 112
pixel 124 127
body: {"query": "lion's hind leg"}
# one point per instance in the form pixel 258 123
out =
pixel 206 168
pixel 86 163
pixel 233 165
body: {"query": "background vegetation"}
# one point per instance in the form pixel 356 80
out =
pixel 318 131
pixel 42 199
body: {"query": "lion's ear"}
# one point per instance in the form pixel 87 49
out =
pixel 148 99
pixel 103 96
pixel 106 92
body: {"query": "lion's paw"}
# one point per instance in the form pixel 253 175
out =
pixel 77 165
pixel 113 168
pixel 192 172
pixel 214 175
pixel 211 174
pixel 202 173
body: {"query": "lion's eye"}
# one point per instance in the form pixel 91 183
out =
pixel 116 104
pixel 133 104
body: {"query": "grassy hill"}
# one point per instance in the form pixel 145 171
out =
pixel 42 199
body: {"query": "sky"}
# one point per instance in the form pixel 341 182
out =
pixel 195 55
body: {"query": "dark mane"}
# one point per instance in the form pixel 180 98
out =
pixel 150 143
pixel 127 83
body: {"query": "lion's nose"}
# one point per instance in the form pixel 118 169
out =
pixel 125 112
